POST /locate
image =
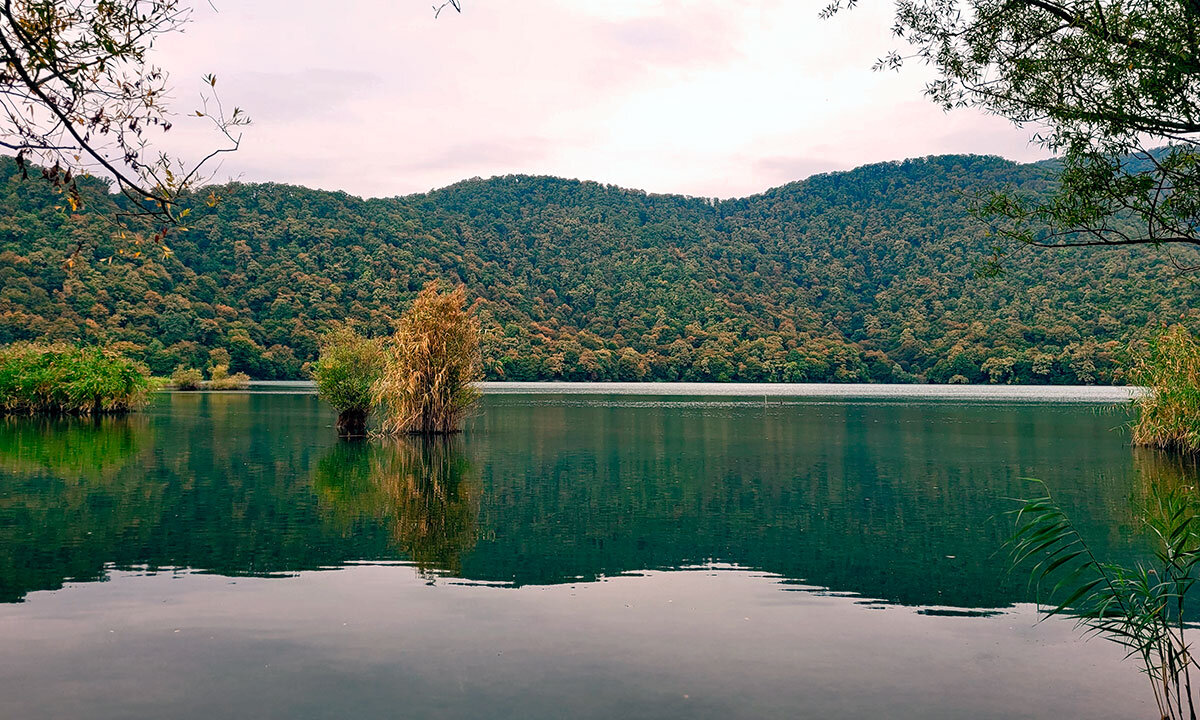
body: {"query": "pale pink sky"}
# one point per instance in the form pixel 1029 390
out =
pixel 701 97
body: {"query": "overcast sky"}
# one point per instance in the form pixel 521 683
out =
pixel 702 98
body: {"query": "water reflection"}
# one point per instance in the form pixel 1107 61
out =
pixel 422 490
pixel 1164 470
pixel 901 503
pixel 67 497
pixel 91 449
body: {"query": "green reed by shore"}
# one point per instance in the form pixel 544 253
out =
pixel 66 379
pixel 1143 607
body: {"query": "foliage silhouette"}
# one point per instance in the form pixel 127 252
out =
pixel 1111 86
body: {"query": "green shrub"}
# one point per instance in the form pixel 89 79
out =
pixel 348 366
pixel 1169 367
pixel 186 379
pixel 61 378
pixel 220 379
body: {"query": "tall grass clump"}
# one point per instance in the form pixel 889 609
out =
pixel 349 364
pixel 1141 607
pixel 220 379
pixel 1169 367
pixel 65 379
pixel 185 378
pixel 430 366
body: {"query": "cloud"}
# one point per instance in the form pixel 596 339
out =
pixel 316 92
pixel 691 96
pixel 694 40
pixel 781 170
pixel 471 156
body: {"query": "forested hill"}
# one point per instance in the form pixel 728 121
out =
pixel 864 275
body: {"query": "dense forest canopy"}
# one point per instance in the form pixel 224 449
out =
pixel 864 275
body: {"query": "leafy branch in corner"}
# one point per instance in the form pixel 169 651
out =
pixel 79 97
pixel 1112 87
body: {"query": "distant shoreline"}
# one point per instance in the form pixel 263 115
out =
pixel 833 391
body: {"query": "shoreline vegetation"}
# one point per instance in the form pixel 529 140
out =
pixel 1169 367
pixel 219 377
pixel 749 389
pixel 190 379
pixel 39 378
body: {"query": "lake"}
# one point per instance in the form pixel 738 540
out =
pixel 586 552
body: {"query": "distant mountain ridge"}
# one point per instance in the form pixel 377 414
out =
pixel 864 275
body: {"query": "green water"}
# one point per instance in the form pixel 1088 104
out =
pixel 569 555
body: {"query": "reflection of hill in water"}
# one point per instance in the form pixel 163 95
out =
pixel 889 501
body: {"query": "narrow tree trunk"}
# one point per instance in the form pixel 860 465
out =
pixel 352 423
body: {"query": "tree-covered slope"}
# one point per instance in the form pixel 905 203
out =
pixel 860 275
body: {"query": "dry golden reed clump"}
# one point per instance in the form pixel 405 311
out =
pixel 1170 414
pixel 431 365
pixel 220 379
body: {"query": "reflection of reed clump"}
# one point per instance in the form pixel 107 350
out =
pixel 420 490
pixel 71 491
pixel 71 448
pixel 1161 470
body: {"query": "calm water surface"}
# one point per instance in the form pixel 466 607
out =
pixel 571 555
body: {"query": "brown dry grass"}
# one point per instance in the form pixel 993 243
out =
pixel 1169 417
pixel 431 365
